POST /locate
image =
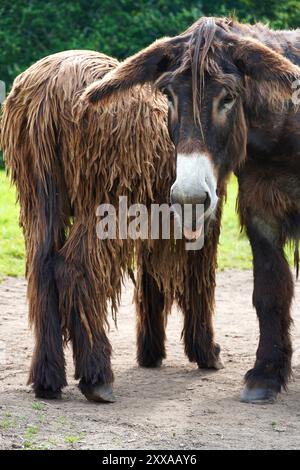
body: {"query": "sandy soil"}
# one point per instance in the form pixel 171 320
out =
pixel 175 407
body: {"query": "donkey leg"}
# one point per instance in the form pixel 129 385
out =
pixel 43 240
pixel 92 363
pixel 150 320
pixel 84 296
pixel 197 300
pixel 47 372
pixel 272 297
pixel 197 304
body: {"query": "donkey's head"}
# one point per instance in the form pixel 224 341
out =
pixel 212 78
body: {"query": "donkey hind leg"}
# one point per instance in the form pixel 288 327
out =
pixel 47 372
pixel 150 320
pixel 272 297
pixel 197 307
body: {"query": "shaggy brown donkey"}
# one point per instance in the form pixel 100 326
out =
pixel 229 88
pixel 64 164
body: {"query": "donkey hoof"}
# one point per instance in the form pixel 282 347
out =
pixel 214 362
pixel 99 393
pixel 215 365
pixel 150 364
pixel 258 396
pixel 47 393
pixel 218 365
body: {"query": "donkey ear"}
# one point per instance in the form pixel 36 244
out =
pixel 145 66
pixel 262 63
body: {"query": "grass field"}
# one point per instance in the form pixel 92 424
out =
pixel 234 251
pixel 11 238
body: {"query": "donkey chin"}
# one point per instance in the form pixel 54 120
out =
pixel 193 219
pixel 199 227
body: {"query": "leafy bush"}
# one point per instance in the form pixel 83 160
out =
pixel 33 29
pixel 30 30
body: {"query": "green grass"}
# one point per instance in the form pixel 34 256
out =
pixel 11 239
pixel 38 406
pixel 31 431
pixel 234 250
pixel 74 439
pixel 8 423
pixel 30 437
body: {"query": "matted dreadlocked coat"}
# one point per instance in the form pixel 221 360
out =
pixel 65 161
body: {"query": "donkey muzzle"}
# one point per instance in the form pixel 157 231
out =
pixel 193 195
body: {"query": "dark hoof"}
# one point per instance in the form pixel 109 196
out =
pixel 98 393
pixel 151 365
pixel 258 396
pixel 46 393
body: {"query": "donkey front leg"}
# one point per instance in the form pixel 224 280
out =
pixel 197 304
pixel 197 300
pixel 273 293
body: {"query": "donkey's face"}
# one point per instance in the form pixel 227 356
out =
pixel 210 139
pixel 211 77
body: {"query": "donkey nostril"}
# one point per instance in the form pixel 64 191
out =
pixel 207 202
pixel 200 198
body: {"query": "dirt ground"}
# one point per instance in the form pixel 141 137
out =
pixel 174 407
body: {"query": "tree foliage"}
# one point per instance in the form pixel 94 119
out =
pixel 32 29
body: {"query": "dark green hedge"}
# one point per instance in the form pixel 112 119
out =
pixel 31 29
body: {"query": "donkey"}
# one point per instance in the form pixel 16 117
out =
pixel 229 90
pixel 65 160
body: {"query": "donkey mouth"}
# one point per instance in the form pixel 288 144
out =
pixel 192 235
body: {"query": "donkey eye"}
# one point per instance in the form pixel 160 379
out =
pixel 227 103
pixel 168 94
